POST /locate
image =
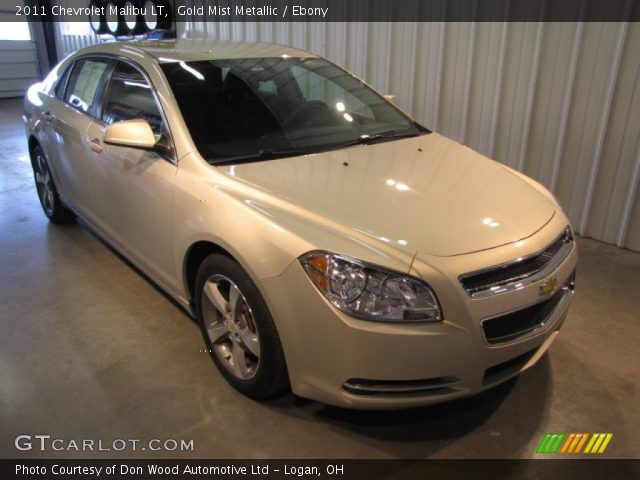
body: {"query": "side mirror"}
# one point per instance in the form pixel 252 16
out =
pixel 130 133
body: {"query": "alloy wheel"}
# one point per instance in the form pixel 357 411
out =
pixel 230 327
pixel 44 185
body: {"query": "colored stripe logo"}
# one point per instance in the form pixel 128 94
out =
pixel 574 443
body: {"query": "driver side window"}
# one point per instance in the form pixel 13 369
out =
pixel 129 97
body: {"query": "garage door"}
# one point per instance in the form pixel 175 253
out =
pixel 18 60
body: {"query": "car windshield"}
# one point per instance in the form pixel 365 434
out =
pixel 251 109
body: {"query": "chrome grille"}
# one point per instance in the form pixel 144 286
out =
pixel 529 320
pixel 506 277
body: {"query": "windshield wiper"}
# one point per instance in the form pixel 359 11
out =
pixel 266 154
pixel 375 137
pixel 270 154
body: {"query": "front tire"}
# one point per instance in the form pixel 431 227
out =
pixel 238 329
pixel 50 201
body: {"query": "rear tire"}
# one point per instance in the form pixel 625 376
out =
pixel 50 201
pixel 238 329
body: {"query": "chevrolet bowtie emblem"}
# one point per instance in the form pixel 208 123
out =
pixel 548 287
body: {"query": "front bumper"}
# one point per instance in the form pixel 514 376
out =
pixel 340 360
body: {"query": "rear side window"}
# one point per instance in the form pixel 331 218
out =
pixel 62 83
pixel 129 97
pixel 83 83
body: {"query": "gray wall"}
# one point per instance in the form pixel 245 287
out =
pixel 18 67
pixel 67 42
pixel 559 101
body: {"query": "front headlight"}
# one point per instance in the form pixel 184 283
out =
pixel 369 292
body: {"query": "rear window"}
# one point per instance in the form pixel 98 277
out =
pixel 84 82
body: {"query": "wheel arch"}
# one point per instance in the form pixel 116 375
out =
pixel 195 255
pixel 32 143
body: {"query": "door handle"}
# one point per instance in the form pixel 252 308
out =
pixel 95 145
pixel 48 116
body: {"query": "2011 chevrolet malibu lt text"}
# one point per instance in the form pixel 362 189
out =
pixel 325 241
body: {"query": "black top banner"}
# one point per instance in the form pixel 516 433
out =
pixel 340 10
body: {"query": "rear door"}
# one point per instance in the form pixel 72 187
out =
pixel 66 123
pixel 132 188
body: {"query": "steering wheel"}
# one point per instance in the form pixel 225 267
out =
pixel 308 114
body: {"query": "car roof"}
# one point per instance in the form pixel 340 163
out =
pixel 194 50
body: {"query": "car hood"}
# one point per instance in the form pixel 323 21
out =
pixel 425 194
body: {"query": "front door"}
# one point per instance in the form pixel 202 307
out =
pixel 132 188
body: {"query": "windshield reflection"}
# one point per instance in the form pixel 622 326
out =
pixel 250 109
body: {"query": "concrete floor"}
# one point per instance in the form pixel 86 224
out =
pixel 91 349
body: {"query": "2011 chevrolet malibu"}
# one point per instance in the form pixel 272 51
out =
pixel 322 238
